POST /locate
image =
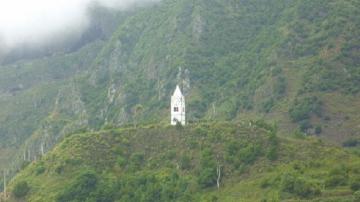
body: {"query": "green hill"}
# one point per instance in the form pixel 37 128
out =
pixel 294 62
pixel 155 163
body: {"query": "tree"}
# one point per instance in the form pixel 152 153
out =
pixel 21 189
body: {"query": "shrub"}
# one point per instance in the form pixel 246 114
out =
pixel 272 153
pixel 207 172
pixel 121 161
pixel 249 154
pixel 237 155
pixel 81 188
pixel 207 177
pixel 21 189
pixel 355 184
pixel 185 162
pixel 351 143
pixel 304 107
pixel 59 169
pixel 136 160
pixel 357 196
pixel 318 130
pixel 265 183
pixel 40 170
pixel 280 86
pixel 299 186
pixel 268 105
pixel 337 177
pixel 304 125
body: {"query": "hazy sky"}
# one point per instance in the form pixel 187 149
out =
pixel 33 21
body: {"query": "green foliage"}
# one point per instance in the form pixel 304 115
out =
pixel 159 164
pixel 318 130
pixel 303 108
pixel 351 142
pixel 355 184
pixel 357 196
pixel 280 86
pixel 207 171
pixel 185 162
pixel 21 189
pixel 238 154
pixel 150 187
pixel 81 188
pixel 121 161
pixel 337 177
pixel 136 161
pixel 239 57
pixel 272 153
pixel 40 170
pixel 294 184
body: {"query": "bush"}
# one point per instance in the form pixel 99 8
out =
pixel 121 161
pixel 299 186
pixel 272 153
pixel 357 196
pixel 207 177
pixel 268 105
pixel 355 184
pixel 249 154
pixel 237 155
pixel 337 177
pixel 21 189
pixel 304 125
pixel 136 160
pixel 185 162
pixel 304 107
pixel 207 172
pixel 318 130
pixel 81 188
pixel 351 143
pixel 40 170
pixel 280 86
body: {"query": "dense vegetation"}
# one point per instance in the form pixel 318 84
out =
pixel 295 62
pixel 155 163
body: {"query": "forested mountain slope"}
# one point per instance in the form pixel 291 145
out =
pixel 292 61
pixel 216 161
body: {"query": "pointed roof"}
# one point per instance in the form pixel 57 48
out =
pixel 177 91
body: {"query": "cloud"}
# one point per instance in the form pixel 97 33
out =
pixel 36 21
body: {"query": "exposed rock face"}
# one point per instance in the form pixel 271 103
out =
pixel 183 79
pixel 197 28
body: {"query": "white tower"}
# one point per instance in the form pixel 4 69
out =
pixel 177 107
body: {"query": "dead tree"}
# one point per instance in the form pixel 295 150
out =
pixel 218 176
pixel 4 191
pixel 42 149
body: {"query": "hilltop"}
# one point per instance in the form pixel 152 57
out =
pixel 154 163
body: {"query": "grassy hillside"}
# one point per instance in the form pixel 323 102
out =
pixel 154 163
pixel 295 62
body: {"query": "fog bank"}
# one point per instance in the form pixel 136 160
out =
pixel 38 21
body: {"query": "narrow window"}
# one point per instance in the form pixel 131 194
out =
pixel 176 109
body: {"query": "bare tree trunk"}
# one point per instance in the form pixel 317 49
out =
pixel 4 192
pixel 42 149
pixel 29 155
pixel 214 110
pixel 219 176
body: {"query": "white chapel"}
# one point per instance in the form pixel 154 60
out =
pixel 177 107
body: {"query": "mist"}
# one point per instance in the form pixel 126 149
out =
pixel 37 22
